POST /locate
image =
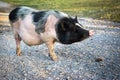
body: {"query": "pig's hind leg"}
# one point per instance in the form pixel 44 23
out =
pixel 18 40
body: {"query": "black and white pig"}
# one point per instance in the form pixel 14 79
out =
pixel 35 27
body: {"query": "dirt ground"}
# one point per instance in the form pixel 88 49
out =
pixel 96 58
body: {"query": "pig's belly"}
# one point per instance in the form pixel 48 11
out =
pixel 30 37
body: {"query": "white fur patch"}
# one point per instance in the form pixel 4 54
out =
pixel 77 24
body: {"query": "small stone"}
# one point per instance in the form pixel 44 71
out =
pixel 98 59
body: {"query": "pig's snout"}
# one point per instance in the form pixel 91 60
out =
pixel 91 32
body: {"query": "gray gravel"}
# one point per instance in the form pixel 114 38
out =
pixel 96 58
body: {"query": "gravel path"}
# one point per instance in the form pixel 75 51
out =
pixel 96 58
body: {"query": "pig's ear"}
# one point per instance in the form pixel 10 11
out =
pixel 64 25
pixel 75 18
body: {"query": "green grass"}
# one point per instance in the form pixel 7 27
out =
pixel 100 9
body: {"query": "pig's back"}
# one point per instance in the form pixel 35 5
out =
pixel 40 18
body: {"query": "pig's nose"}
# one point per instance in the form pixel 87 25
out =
pixel 91 32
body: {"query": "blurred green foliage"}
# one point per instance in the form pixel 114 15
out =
pixel 100 9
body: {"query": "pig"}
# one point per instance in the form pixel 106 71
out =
pixel 35 27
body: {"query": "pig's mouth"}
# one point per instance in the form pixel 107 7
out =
pixel 91 33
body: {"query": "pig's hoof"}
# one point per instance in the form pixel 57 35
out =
pixel 19 53
pixel 54 58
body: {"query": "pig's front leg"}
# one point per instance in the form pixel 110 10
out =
pixel 50 45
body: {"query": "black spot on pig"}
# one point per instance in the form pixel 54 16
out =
pixel 13 15
pixel 38 15
pixel 68 32
pixel 39 20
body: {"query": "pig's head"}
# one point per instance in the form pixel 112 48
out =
pixel 69 30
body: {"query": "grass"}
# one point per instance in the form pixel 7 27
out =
pixel 100 9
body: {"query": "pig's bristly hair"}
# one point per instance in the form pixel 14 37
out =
pixel 68 32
